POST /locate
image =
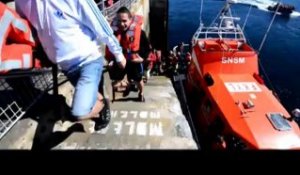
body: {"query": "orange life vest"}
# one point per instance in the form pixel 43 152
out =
pixel 17 54
pixel 131 42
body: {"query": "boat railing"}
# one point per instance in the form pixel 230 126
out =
pixel 111 11
pixel 220 32
pixel 225 28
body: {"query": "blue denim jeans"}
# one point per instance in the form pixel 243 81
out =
pixel 85 79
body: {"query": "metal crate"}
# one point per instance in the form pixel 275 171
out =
pixel 18 92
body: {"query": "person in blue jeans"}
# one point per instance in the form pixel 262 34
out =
pixel 70 33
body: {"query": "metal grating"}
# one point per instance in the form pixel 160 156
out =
pixel 18 92
pixel 9 116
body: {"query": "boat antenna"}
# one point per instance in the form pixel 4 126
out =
pixel 201 9
pixel 261 45
pixel 214 21
pixel 247 17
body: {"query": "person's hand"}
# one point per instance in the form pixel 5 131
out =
pixel 122 63
pixel 110 64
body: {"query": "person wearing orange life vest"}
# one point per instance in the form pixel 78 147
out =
pixel 16 41
pixel 127 28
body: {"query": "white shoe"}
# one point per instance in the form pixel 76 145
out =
pixel 148 74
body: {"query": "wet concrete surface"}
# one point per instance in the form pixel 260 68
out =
pixel 157 123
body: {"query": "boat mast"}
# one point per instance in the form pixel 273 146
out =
pixel 261 46
pixel 269 28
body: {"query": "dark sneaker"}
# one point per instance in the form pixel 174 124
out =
pixel 104 117
pixel 141 98
pixel 134 87
pixel 126 92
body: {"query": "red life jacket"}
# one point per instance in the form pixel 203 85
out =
pixel 17 54
pixel 152 57
pixel 131 42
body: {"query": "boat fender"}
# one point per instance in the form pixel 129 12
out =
pixel 202 45
pixel 296 116
pixel 296 112
pixel 208 79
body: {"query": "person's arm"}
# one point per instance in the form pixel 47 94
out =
pixel 145 46
pixel 93 18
